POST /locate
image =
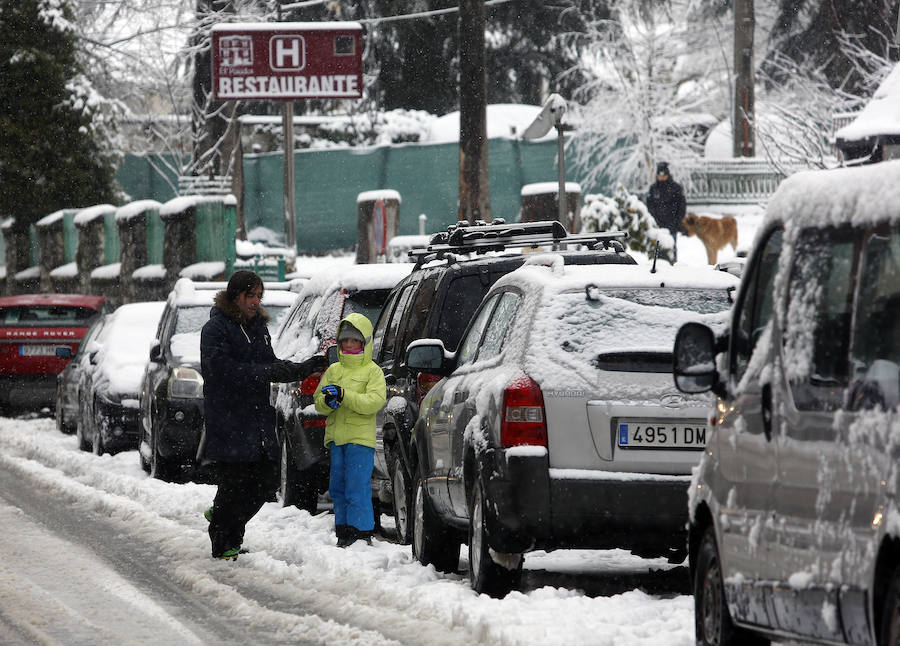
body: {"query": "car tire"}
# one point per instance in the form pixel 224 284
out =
pixel 61 424
pixel 84 443
pixel 712 620
pixel 485 574
pixel 161 468
pixel 401 502
pixel 293 489
pixel 432 542
pixel 890 615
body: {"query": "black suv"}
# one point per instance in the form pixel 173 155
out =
pixel 436 301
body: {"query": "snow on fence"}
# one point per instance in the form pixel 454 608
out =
pixel 731 181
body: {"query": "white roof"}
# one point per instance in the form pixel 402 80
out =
pixel 357 277
pixel 548 271
pixel 860 195
pixel 881 116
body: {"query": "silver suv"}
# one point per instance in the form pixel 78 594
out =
pixel 557 425
pixel 794 527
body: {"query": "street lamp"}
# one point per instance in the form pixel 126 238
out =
pixel 551 115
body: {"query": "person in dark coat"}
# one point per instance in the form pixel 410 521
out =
pixel 666 203
pixel 239 440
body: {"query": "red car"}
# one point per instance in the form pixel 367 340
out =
pixel 39 333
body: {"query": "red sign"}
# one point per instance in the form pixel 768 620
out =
pixel 287 60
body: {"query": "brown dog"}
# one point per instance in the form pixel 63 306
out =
pixel 714 233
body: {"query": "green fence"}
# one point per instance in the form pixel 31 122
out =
pixel 155 236
pixel 327 183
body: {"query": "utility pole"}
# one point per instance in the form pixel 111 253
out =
pixel 744 138
pixel 474 186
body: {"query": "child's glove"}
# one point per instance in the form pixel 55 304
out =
pixel 334 395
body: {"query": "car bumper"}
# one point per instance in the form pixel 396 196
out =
pixel 537 508
pixel 118 425
pixel 28 391
pixel 180 429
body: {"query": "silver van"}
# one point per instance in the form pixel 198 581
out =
pixel 794 525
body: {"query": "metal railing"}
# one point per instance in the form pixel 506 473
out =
pixel 731 181
pixel 204 184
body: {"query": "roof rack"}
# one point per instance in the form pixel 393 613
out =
pixel 498 236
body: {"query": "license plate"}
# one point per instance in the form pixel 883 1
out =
pixel 38 350
pixel 661 435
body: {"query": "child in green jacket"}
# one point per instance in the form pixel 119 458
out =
pixel 353 391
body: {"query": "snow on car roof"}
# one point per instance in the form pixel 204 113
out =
pixel 548 271
pixel 861 195
pixel 187 293
pixel 357 277
pixel 125 344
pixel 78 300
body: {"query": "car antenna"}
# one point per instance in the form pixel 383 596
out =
pixel 655 256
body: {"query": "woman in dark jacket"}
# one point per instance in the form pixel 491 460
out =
pixel 238 364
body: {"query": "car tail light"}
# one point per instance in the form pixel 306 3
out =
pixel 522 418
pixel 425 382
pixel 308 389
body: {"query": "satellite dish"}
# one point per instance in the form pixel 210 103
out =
pixel 551 115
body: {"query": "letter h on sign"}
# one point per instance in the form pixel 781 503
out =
pixel 287 53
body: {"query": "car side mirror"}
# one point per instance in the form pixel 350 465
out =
pixel 64 353
pixel 694 360
pixel 427 355
pixel 331 354
pixel 155 352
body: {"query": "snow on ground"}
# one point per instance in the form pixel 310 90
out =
pixel 294 556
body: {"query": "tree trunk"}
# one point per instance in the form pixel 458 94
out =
pixel 744 110
pixel 474 187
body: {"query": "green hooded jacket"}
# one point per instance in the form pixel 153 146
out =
pixel 364 391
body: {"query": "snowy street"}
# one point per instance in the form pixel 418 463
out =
pixel 95 552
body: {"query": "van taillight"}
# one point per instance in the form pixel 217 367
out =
pixel 424 383
pixel 522 418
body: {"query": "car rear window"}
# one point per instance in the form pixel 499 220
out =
pixel 367 302
pixel 619 329
pixel 46 315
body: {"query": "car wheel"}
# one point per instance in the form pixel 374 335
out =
pixel 890 616
pixel 295 489
pixel 161 467
pixel 432 542
pixel 712 621
pixel 489 572
pixel 84 444
pixel 401 503
pixel 97 437
pixel 61 424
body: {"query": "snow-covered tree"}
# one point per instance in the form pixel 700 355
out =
pixel 624 211
pixel 55 150
pixel 650 96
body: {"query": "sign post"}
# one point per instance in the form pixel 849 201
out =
pixel 287 61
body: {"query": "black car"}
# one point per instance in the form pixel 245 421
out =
pixel 111 379
pixel 171 401
pixel 436 301
pixel 68 382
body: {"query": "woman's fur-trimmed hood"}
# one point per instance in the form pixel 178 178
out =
pixel 230 309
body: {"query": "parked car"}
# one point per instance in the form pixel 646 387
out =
pixel 310 328
pixel 33 327
pixel 436 301
pixel 110 383
pixel 171 400
pixel 557 425
pixel 68 382
pixel 794 525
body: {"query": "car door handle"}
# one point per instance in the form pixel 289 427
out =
pixel 766 406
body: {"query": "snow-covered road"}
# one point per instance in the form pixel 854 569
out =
pixel 95 552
